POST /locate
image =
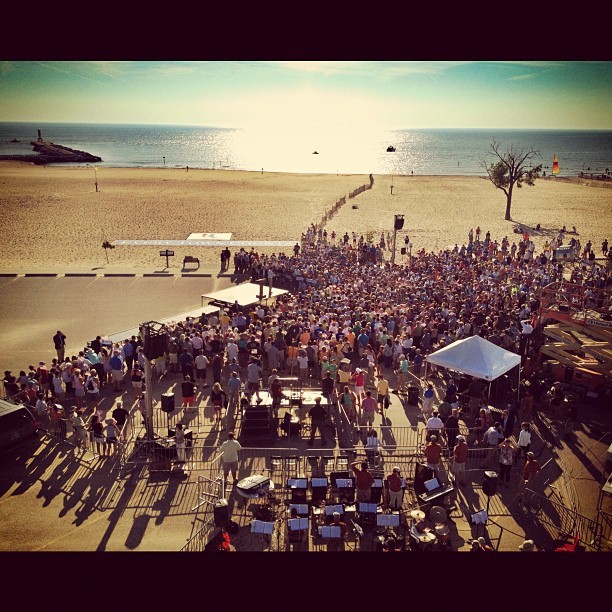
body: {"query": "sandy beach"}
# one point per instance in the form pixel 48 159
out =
pixel 53 218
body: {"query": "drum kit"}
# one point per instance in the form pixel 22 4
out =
pixel 440 533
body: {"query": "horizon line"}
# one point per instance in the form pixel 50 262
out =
pixel 388 129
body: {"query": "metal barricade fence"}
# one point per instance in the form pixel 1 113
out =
pixel 190 417
pixel 565 522
pixel 211 488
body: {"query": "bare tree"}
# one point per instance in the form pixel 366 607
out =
pixel 107 245
pixel 509 171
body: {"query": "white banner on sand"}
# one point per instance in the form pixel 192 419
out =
pixel 209 236
pixel 216 243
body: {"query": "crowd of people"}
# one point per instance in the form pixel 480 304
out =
pixel 354 321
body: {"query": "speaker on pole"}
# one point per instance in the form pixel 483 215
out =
pixel 167 402
pixel 489 484
pixel 155 345
pixel 399 222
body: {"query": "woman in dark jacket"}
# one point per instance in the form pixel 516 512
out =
pixel 218 399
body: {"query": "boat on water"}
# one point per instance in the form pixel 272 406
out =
pixel 390 149
pixel 14 140
pixel 315 152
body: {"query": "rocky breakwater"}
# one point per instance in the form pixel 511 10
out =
pixel 51 153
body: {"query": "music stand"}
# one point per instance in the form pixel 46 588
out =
pixel 299 525
pixel 318 482
pixel 318 486
pixel 298 487
pixel 388 520
pixel 264 529
pixel 331 508
pixel 479 518
pixel 346 488
pixel 367 512
pixel 302 509
pixel 330 532
pixel 297 483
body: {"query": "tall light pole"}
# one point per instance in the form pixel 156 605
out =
pixel 397 225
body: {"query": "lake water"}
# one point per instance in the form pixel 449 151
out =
pixel 429 152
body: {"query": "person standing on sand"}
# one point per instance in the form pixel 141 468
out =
pixel 59 341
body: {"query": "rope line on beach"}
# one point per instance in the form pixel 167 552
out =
pixel 341 202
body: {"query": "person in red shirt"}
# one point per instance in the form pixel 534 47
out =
pixel 363 481
pixel 460 453
pixel 433 454
pixel 396 492
pixel 532 467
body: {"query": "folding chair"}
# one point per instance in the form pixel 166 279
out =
pixel 342 463
pixel 328 464
pixel 276 463
pixel 291 465
pixel 313 462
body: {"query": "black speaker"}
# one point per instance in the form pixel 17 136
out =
pixel 421 474
pixel 399 222
pixel 403 250
pixel 155 346
pixel 489 484
pixel 167 402
pixel 221 513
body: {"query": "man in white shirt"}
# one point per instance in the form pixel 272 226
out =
pixel 302 360
pixel 201 362
pixel 435 425
pixel 229 451
pixel 254 372
pixel 197 343
pixel 525 336
pixel 232 350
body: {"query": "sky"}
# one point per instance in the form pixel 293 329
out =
pixel 317 95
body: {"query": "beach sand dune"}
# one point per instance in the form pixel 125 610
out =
pixel 53 219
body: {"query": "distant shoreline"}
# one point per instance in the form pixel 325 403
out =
pixel 6 160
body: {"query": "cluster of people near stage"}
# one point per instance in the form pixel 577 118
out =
pixel 354 323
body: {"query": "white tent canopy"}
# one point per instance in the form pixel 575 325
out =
pixel 475 356
pixel 245 294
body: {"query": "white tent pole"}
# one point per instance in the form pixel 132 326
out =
pixel 489 396
pixel 518 389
